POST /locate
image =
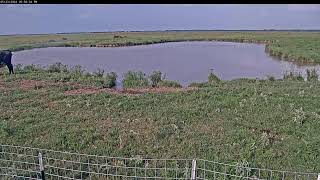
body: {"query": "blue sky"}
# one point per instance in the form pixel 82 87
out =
pixel 33 19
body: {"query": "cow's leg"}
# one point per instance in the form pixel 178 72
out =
pixel 10 67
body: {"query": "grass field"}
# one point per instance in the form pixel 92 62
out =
pixel 267 123
pixel 302 47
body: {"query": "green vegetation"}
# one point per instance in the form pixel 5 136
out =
pixel 293 76
pixel 155 78
pixel 213 79
pixel 110 80
pixel 312 75
pixel 135 79
pixel 269 124
pixel 303 47
pixel 168 83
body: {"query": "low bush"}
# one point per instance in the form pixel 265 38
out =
pixel 293 76
pixel 168 83
pixel 76 71
pixel 99 73
pixel 57 67
pixel 198 84
pixel 18 67
pixel 155 78
pixel 110 80
pixel 271 78
pixel 31 68
pixel 312 75
pixel 135 79
pixel 212 78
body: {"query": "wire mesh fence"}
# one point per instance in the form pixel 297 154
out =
pixel 29 163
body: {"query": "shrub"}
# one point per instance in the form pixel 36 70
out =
pixel 134 79
pixel 155 78
pixel 312 75
pixel 77 71
pixel 198 84
pixel 167 83
pixel 212 78
pixel 99 73
pixel 87 75
pixel 293 76
pixel 57 67
pixel 31 67
pixel 18 67
pixel 110 80
pixel 271 78
pixel 65 78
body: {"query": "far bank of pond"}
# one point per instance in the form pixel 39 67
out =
pixel 184 62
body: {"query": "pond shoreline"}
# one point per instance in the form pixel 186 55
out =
pixel 268 50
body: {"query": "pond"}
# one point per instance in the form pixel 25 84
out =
pixel 181 61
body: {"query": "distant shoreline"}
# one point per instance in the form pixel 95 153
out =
pixel 177 30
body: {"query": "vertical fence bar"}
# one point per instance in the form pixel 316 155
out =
pixel 193 171
pixel 41 166
pixel 318 177
pixel 204 170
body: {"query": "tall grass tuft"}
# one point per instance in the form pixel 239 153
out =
pixel 271 78
pixel 198 84
pixel 18 67
pixel 57 67
pixel 293 76
pixel 312 75
pixel 99 73
pixel 155 78
pixel 110 80
pixel 31 68
pixel 77 71
pixel 212 78
pixel 135 79
pixel 168 83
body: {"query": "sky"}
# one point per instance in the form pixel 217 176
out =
pixel 39 19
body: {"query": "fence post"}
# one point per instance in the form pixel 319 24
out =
pixel 41 166
pixel 318 177
pixel 193 170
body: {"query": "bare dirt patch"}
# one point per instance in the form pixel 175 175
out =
pixel 86 90
pixel 32 84
pixel 2 85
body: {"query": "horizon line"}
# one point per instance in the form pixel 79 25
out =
pixel 168 30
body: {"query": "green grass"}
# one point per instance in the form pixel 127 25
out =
pixel 270 124
pixel 168 83
pixel 133 79
pixel 302 47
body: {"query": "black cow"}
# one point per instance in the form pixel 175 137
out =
pixel 5 57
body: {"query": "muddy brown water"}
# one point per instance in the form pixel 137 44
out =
pixel 185 62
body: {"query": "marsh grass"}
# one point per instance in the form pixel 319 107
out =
pixel 169 83
pixel 99 73
pixel 266 124
pixel 198 84
pixel 312 75
pixel 293 76
pixel 212 78
pixel 155 78
pixel 271 78
pixel 110 80
pixel 57 67
pixel 134 79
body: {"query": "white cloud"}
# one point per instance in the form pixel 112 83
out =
pixel 304 7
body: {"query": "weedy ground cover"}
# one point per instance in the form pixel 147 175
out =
pixel 269 124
